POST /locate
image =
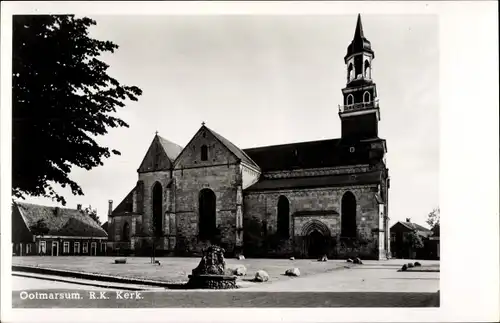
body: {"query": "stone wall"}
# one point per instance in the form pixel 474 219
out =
pixel 324 205
pixel 222 180
pixel 148 181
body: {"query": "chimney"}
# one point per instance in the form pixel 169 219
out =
pixel 79 207
pixel 110 208
pixel 408 220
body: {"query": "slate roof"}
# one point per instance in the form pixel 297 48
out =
pixel 171 149
pixel 60 221
pixel 240 154
pixel 316 181
pixel 414 226
pixel 312 154
pixel 126 205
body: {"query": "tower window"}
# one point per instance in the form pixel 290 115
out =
pixel 366 97
pixel 350 99
pixel 351 149
pixel 368 70
pixel 204 152
pixel 350 73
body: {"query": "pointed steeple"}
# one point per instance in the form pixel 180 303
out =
pixel 358 34
pixel 359 43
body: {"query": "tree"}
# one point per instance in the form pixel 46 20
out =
pixel 62 99
pixel 156 235
pixel 433 220
pixel 414 242
pixel 93 214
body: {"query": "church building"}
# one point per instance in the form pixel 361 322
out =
pixel 305 199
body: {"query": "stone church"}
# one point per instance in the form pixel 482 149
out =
pixel 302 199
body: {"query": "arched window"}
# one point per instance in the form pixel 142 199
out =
pixel 350 73
pixel 366 97
pixel 348 216
pixel 207 225
pixel 350 99
pixel 368 70
pixel 283 217
pixel 126 232
pixel 157 209
pixel 204 152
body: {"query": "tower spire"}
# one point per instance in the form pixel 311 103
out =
pixel 358 34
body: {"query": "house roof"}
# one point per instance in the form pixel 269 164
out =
pixel 240 154
pixel 316 181
pixel 60 221
pixel 312 154
pixel 412 226
pixel 104 226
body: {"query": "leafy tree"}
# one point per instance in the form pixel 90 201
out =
pixel 433 217
pixel 414 241
pixel 62 99
pixel 93 214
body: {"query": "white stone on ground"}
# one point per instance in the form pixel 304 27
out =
pixel 261 276
pixel 293 272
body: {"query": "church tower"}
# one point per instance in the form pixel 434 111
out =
pixel 360 112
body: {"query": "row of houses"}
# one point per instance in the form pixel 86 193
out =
pixel 54 231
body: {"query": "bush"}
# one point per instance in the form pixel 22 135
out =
pixel 417 264
pixel 404 268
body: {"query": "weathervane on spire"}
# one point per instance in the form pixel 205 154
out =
pixel 203 123
pixel 156 132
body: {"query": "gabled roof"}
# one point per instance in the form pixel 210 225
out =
pixel 160 155
pixel 240 154
pixel 312 154
pixel 105 226
pixel 126 205
pixel 60 221
pixel 412 226
pixel 171 149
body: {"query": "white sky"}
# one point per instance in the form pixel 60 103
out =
pixel 263 80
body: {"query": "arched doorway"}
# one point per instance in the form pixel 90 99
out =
pixel 316 244
pixel 207 226
pixel 157 209
pixel 316 239
pixel 348 216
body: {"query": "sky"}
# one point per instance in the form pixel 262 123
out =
pixel 265 80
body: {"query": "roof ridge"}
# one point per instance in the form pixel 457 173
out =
pixel 295 143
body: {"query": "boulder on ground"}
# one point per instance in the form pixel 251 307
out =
pixel 121 261
pixel 358 261
pixel 241 257
pixel 349 260
pixel 261 276
pixel 240 270
pixel 410 265
pixel 292 258
pixel 293 272
pixel 417 264
pixel 404 268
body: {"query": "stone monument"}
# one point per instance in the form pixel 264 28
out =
pixel 210 272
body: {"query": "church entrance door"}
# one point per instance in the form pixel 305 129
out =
pixel 316 244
